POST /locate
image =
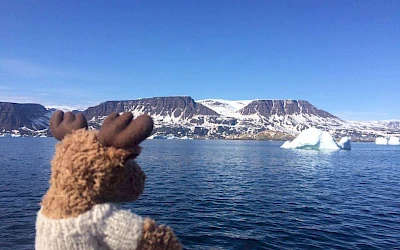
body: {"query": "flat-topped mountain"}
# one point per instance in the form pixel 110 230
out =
pixel 283 107
pixel 290 116
pixel 175 106
pixel 17 115
pixel 182 116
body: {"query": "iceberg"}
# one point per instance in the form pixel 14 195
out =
pixel 314 138
pixel 287 144
pixel 381 141
pixel 344 143
pixel 393 141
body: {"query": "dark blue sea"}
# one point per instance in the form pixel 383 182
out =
pixel 219 194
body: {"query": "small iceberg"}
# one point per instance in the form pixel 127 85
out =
pixel 186 138
pixel 393 141
pixel 314 138
pixel 381 141
pixel 344 143
pixel 157 137
pixel 168 137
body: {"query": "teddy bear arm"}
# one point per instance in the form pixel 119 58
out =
pixel 158 237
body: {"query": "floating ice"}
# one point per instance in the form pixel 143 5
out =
pixel 313 138
pixel 393 141
pixel 381 141
pixel 344 143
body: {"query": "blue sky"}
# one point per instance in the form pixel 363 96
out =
pixel 341 56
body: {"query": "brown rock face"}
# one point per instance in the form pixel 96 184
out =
pixel 283 107
pixel 16 115
pixel 161 106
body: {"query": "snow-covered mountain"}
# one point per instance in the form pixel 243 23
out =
pixel 289 116
pixel 32 119
pixel 224 107
pixel 66 108
pixel 217 118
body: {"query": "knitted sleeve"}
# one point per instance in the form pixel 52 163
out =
pixel 122 230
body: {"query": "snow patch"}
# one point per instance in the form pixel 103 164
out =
pixel 225 107
pixel 67 108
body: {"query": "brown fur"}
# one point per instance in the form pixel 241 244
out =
pixel 86 173
pixel 158 237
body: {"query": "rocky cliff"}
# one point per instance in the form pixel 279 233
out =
pixel 182 116
pixel 16 115
pixel 268 108
pixel 176 106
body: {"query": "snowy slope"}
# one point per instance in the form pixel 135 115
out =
pixel 225 107
pixel 288 116
pixel 218 118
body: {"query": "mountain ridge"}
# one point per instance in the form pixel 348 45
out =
pixel 213 118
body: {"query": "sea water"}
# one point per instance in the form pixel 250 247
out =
pixel 219 194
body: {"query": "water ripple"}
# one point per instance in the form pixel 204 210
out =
pixel 234 194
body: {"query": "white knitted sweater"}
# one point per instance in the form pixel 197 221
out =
pixel 103 227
